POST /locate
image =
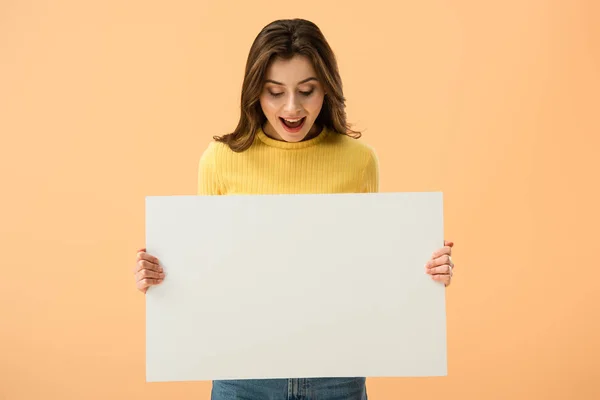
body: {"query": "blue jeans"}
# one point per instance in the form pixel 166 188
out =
pixel 290 389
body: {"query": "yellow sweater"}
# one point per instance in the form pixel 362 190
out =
pixel 328 163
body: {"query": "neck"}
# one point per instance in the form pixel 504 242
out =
pixel 313 133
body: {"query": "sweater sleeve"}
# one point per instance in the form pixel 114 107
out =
pixel 371 174
pixel 208 179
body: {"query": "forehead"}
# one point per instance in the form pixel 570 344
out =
pixel 290 71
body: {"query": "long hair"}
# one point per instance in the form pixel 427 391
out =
pixel 284 39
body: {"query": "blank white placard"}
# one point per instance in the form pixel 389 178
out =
pixel 289 286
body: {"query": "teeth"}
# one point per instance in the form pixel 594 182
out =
pixel 293 120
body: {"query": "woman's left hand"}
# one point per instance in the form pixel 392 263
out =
pixel 440 267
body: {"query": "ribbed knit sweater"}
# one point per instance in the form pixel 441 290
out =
pixel 326 164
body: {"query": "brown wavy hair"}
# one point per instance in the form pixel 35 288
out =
pixel 284 39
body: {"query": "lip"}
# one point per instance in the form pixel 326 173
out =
pixel 292 130
pixel 296 117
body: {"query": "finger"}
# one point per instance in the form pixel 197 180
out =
pixel 142 255
pixel 446 279
pixel 443 251
pixel 146 273
pixel 137 253
pixel 146 283
pixel 443 260
pixel 143 264
pixel 443 269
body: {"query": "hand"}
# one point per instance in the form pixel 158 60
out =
pixel 440 267
pixel 148 271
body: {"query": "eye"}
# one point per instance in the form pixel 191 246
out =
pixel 275 94
pixel 307 93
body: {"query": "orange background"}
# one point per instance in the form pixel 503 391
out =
pixel 494 103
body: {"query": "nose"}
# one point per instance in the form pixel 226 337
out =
pixel 292 104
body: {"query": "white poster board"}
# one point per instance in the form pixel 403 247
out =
pixel 290 286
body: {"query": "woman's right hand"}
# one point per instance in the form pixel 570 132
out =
pixel 148 271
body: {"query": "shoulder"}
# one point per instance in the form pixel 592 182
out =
pixel 215 149
pixel 361 158
pixel 215 152
pixel 353 148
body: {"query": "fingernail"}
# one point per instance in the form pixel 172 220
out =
pixel 162 275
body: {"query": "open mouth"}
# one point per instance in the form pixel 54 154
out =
pixel 292 125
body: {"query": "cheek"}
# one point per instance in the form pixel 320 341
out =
pixel 314 104
pixel 268 106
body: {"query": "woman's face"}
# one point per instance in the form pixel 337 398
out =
pixel 291 99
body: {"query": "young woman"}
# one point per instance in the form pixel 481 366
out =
pixel 292 138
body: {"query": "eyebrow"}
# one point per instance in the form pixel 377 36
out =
pixel 312 78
